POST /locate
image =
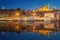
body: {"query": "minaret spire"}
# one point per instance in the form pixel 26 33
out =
pixel 3 7
pixel 48 5
pixel 54 7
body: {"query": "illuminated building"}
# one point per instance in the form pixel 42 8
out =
pixel 44 15
pixel 44 8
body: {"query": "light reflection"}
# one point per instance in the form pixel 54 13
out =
pixel 40 27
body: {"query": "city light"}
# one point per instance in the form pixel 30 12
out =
pixel 40 20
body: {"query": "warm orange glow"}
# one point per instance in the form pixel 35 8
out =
pixel 49 26
pixel 44 32
pixel 17 14
pixel 44 8
pixel 34 14
pixel 34 27
pixel 17 26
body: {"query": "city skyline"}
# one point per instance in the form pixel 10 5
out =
pixel 30 19
pixel 28 4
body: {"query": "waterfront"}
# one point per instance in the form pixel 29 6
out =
pixel 16 30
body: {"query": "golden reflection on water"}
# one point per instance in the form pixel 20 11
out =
pixel 42 27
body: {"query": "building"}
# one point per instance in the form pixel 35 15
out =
pixel 44 15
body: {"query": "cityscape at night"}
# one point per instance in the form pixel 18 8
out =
pixel 29 20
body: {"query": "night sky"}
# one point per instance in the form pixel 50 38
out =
pixel 28 4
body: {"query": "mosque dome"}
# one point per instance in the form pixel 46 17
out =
pixel 44 8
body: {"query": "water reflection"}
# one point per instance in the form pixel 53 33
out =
pixel 42 27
